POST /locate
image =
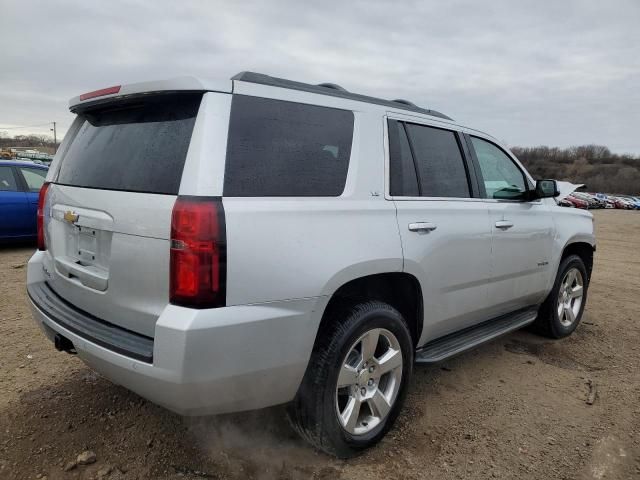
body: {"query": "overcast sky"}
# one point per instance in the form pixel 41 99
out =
pixel 530 72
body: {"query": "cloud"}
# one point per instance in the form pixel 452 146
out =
pixel 531 72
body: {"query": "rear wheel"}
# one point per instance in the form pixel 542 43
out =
pixel 356 380
pixel 562 311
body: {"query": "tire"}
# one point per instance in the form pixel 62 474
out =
pixel 554 321
pixel 314 413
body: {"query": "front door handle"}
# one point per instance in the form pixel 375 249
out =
pixel 422 227
pixel 504 224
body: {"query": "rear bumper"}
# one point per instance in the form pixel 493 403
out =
pixel 85 325
pixel 204 361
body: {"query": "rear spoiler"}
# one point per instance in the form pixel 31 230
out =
pixel 178 84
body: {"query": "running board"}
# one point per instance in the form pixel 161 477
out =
pixel 458 342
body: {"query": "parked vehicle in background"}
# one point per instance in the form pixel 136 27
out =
pixel 578 202
pixel 566 203
pixel 633 202
pixel 592 202
pixel 20 184
pixel 600 202
pixel 227 246
pixel 622 203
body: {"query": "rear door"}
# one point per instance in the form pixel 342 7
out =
pixel 32 180
pixel 13 204
pixel 110 207
pixel 522 230
pixel 446 238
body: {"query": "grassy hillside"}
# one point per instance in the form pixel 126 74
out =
pixel 593 165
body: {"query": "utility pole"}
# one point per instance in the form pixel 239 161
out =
pixel 55 143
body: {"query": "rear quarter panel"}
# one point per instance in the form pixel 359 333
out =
pixel 281 249
pixel 285 248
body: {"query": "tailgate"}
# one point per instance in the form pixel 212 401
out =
pixel 110 252
pixel 109 209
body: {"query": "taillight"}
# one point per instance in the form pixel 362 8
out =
pixel 198 253
pixel 42 199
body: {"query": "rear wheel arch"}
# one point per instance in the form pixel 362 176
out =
pixel 401 290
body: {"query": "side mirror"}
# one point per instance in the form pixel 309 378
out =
pixel 547 189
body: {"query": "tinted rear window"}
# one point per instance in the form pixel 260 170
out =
pixel 402 170
pixel 136 146
pixel 279 148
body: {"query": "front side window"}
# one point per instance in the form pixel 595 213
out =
pixel 7 180
pixel 439 162
pixel 279 148
pixel 503 179
pixel 34 177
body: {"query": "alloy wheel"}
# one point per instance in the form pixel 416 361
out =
pixel 570 297
pixel 368 382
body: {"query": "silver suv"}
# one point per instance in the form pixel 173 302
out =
pixel 226 246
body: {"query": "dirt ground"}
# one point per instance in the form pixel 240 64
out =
pixel 515 408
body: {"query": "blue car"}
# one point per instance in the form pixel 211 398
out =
pixel 20 184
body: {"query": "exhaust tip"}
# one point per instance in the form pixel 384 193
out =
pixel 63 344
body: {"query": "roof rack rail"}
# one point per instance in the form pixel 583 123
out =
pixel 331 90
pixel 334 86
pixel 405 102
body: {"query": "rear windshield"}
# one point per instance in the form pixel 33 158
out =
pixel 279 148
pixel 138 146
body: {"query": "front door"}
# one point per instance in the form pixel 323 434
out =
pixel 522 231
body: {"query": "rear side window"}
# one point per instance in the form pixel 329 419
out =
pixel 439 161
pixel 279 148
pixel 402 171
pixel 139 146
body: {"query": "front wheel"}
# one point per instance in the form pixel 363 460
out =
pixel 562 311
pixel 356 379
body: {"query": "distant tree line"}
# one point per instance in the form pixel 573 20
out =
pixel 594 165
pixel 26 140
pixel 42 142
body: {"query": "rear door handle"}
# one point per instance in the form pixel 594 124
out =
pixel 504 224
pixel 422 227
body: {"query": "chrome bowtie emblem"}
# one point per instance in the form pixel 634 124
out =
pixel 71 216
